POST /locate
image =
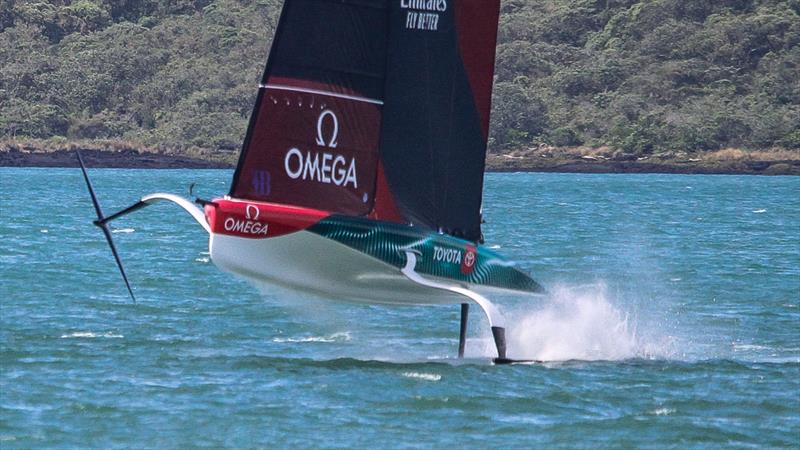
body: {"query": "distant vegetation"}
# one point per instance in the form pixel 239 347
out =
pixel 639 77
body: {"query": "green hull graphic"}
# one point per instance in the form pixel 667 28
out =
pixel 441 255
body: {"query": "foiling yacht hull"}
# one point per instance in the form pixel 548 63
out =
pixel 349 258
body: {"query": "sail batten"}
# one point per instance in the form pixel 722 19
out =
pixel 320 92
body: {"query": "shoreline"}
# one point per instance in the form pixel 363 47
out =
pixel 567 164
pixel 554 161
pixel 110 159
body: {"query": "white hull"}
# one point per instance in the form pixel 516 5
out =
pixel 311 263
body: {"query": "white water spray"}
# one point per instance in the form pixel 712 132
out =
pixel 581 323
pixel 577 324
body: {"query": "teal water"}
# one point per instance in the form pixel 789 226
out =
pixel 673 321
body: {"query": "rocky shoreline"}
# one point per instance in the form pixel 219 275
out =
pixel 502 163
pixel 122 159
pixel 532 161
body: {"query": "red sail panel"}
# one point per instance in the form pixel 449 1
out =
pixel 314 133
pixel 312 147
pixel 384 207
pixel 477 34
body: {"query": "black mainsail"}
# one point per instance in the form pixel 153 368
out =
pixel 438 89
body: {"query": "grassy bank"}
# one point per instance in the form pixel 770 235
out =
pixel 641 76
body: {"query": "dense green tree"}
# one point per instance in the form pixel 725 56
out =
pixel 639 76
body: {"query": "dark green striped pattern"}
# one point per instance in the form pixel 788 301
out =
pixel 388 242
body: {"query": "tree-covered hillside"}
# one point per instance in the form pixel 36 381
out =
pixel 638 76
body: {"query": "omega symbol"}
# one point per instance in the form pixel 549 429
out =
pixel 320 120
pixel 252 212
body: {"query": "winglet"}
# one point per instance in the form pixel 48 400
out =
pixel 104 226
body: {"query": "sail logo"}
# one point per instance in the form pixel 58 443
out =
pixel 320 139
pixel 425 5
pixel 424 13
pixel 322 167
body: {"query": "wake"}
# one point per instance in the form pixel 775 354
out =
pixel 570 323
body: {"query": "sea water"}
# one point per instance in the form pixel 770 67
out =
pixel 672 320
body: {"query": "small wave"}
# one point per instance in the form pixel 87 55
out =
pixel 202 260
pixel 89 335
pixel 494 247
pixel 759 211
pixel 335 337
pixel 423 376
pixel 746 347
pixel 44 230
pixel 675 279
pixel 123 230
pixel 662 411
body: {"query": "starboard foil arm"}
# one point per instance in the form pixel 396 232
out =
pixel 155 197
pixel 496 320
pixel 147 200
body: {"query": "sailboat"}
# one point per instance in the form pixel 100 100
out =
pixel 361 173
